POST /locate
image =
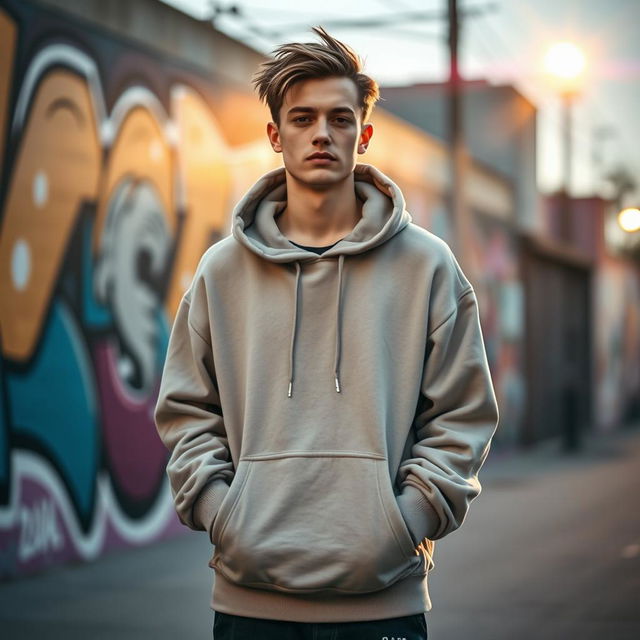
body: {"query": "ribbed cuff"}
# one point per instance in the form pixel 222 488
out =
pixel 420 517
pixel 208 503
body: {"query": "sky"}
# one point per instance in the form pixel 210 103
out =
pixel 504 43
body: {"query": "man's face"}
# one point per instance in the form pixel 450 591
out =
pixel 320 132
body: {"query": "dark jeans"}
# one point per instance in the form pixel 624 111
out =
pixel 231 627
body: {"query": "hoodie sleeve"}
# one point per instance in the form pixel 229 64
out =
pixel 190 422
pixel 456 418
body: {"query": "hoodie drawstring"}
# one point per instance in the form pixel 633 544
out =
pixel 336 363
pixel 294 327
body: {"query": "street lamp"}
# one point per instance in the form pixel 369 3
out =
pixel 565 63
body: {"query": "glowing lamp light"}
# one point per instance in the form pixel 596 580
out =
pixel 629 219
pixel 565 61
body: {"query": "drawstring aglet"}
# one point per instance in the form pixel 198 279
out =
pixel 337 385
pixel 290 388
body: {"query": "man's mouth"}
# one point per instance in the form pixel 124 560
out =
pixel 321 155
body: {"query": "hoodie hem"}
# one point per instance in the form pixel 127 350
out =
pixel 407 597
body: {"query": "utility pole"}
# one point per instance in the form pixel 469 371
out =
pixel 456 138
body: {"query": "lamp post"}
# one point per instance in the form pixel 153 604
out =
pixel 565 63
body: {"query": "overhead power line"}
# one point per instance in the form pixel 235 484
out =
pixel 372 22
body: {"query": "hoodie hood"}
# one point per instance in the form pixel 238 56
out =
pixel 383 215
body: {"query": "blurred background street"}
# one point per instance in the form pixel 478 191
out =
pixel 129 130
pixel 550 549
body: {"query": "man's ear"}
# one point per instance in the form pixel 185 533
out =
pixel 274 137
pixel 365 136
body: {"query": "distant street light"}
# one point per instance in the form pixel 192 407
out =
pixel 629 219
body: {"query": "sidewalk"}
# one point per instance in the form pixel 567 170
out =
pixel 549 456
pixel 163 591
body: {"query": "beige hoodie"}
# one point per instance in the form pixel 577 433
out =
pixel 327 416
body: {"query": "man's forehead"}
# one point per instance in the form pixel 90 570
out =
pixel 325 93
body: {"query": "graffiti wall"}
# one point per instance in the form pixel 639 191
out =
pixel 118 168
pixel 115 179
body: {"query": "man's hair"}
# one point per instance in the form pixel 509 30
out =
pixel 296 61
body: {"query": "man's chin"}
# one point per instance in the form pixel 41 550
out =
pixel 319 177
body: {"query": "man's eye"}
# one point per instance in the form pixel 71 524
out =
pixel 343 120
pixel 301 118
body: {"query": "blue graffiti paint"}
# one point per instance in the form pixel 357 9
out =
pixel 53 404
pixel 4 430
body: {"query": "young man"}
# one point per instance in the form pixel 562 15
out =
pixel 326 396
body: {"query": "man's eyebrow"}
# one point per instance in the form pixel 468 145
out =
pixel 294 110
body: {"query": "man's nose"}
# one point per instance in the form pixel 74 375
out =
pixel 321 133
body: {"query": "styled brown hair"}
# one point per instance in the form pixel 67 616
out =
pixel 296 61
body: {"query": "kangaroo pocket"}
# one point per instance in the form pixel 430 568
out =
pixel 321 523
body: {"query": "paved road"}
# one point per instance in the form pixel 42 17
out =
pixel 550 549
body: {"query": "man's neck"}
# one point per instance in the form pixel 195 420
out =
pixel 315 217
